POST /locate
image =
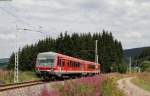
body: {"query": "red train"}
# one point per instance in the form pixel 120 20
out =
pixel 50 65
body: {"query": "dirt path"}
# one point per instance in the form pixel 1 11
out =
pixel 131 89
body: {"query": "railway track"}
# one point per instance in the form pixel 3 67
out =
pixel 6 87
pixel 20 85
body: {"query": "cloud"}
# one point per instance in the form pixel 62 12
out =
pixel 128 20
pixel 7 36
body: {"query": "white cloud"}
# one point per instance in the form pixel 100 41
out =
pixel 134 35
pixel 129 20
pixel 7 36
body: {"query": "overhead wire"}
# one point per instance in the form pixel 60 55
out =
pixel 21 20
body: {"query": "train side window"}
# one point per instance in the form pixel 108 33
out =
pixel 62 62
pixel 68 63
pixel 75 64
pixel 71 63
pixel 78 64
pixel 91 66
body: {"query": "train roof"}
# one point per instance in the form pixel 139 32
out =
pixel 47 53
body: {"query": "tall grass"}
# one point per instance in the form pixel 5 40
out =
pixel 109 88
pixel 100 85
pixel 145 76
pixel 7 76
pixel 86 86
pixel 142 80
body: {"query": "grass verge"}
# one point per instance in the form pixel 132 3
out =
pixel 141 83
pixel 109 88
pixel 7 77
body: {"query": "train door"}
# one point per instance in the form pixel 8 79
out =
pixel 63 64
pixel 67 65
pixel 59 64
pixel 82 67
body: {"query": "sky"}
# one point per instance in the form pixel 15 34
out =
pixel 128 20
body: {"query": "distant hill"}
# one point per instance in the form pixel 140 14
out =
pixel 133 52
pixel 4 62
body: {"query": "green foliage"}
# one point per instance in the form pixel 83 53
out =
pixel 145 66
pixel 7 76
pixel 76 45
pixel 122 68
pixel 144 59
pixel 145 54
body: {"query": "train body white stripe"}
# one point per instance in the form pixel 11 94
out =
pixel 62 71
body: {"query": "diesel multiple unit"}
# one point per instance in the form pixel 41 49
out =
pixel 54 65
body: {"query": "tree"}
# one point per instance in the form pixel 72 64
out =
pixel 76 45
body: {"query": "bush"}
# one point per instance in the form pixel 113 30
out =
pixel 122 68
pixel 145 66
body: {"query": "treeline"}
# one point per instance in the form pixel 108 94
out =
pixel 144 59
pixel 145 54
pixel 80 45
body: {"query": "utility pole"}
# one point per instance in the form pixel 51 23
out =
pixel 16 69
pixel 130 62
pixel 16 80
pixel 96 53
pixel 136 66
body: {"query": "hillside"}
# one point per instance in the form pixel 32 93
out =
pixel 4 62
pixel 133 52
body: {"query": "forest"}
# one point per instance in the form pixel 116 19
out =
pixel 80 45
pixel 144 59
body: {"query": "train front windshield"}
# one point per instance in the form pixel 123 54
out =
pixel 45 60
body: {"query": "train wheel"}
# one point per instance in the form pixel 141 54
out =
pixel 46 77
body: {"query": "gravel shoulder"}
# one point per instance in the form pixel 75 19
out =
pixel 29 91
pixel 130 89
